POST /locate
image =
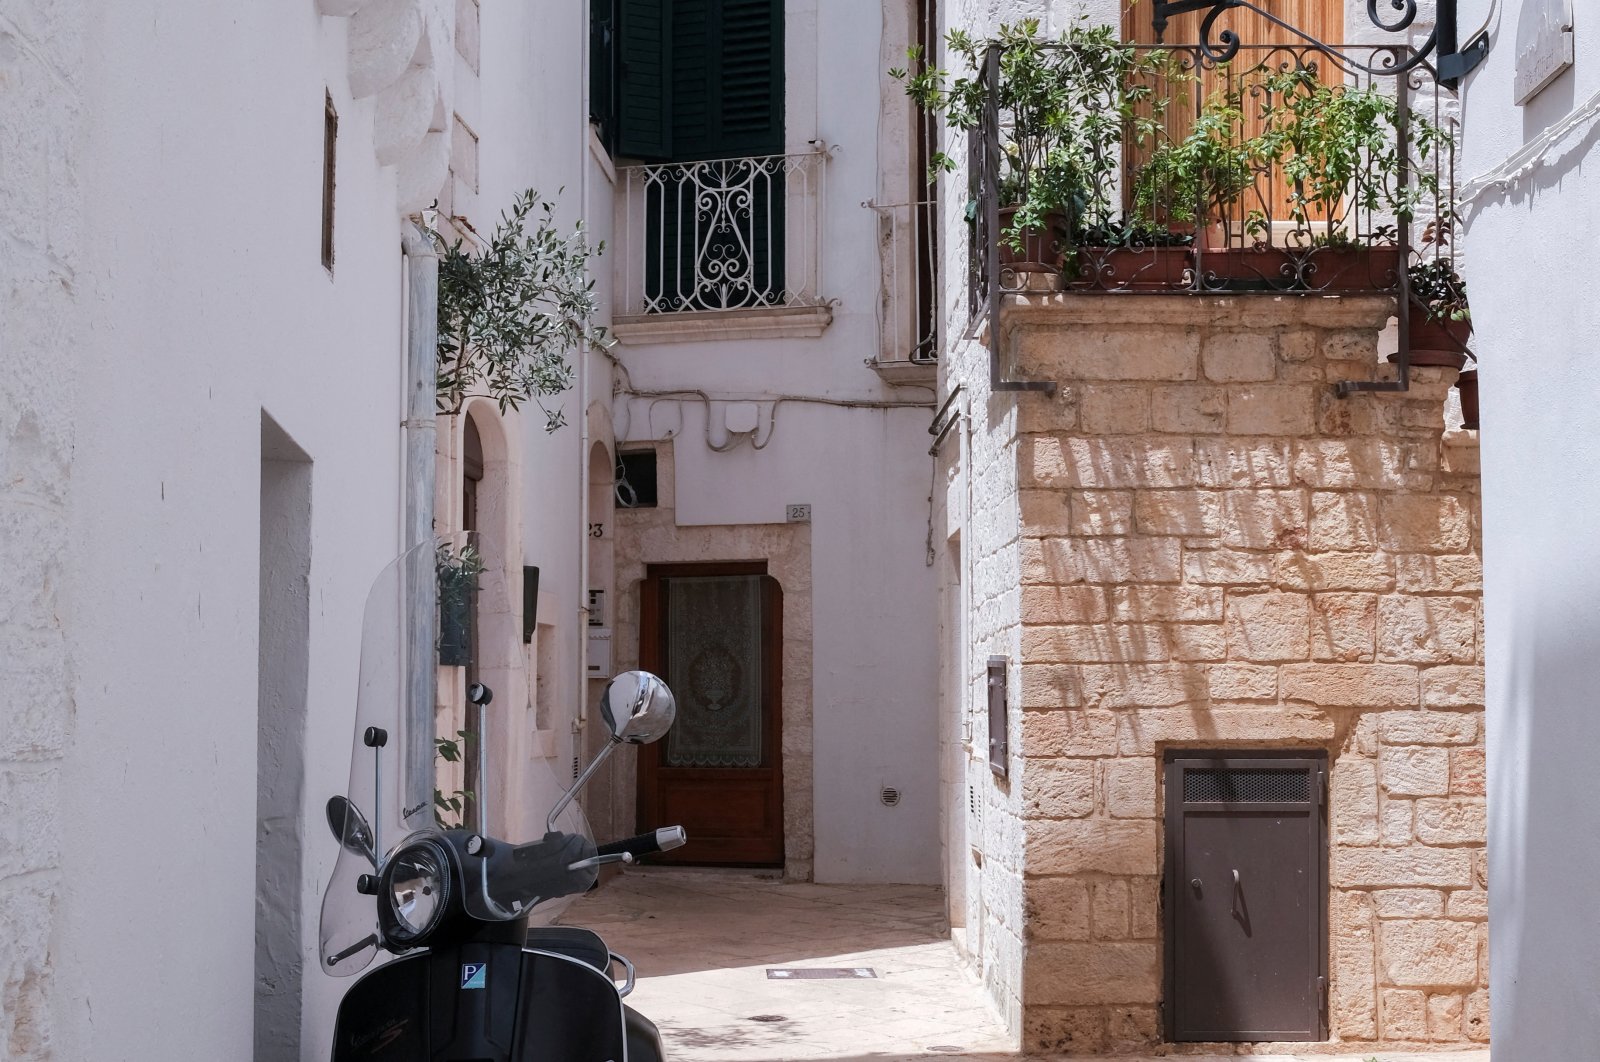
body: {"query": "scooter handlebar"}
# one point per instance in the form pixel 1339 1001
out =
pixel 663 840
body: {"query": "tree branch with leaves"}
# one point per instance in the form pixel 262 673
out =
pixel 511 314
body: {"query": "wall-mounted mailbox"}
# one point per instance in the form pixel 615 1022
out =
pixel 599 652
pixel 999 717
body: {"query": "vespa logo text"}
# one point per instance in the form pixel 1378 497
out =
pixel 408 812
pixel 474 975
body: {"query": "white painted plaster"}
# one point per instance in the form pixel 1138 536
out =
pixel 864 471
pixel 1538 337
pixel 160 206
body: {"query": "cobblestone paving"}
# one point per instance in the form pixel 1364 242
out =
pixel 703 941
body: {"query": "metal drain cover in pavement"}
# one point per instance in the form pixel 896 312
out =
pixel 818 973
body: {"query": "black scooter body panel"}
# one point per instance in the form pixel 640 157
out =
pixel 420 1009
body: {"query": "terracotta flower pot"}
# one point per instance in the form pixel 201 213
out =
pixel 1131 268
pixel 1338 269
pixel 1467 385
pixel 1439 342
pixel 1043 251
pixel 1259 268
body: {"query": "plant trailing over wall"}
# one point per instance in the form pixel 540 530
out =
pixel 510 315
pixel 1066 108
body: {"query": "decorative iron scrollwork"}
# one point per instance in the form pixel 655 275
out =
pixel 1452 62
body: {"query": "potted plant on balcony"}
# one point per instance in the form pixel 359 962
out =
pixel 1336 146
pixel 1194 182
pixel 1062 108
pixel 1439 334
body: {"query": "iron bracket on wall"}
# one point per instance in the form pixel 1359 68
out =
pixel 944 420
pixel 1452 62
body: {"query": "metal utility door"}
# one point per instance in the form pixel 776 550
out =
pixel 1246 897
pixel 714 632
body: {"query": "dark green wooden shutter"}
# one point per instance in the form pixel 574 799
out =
pixel 727 78
pixel 751 77
pixel 644 104
pixel 603 70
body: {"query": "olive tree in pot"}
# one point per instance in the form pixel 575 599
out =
pixel 1063 107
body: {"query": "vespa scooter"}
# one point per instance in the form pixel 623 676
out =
pixel 479 974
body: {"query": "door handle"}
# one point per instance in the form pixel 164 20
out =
pixel 1233 897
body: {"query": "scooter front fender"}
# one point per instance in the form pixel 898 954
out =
pixel 485 1003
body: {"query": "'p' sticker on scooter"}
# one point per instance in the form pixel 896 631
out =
pixel 474 975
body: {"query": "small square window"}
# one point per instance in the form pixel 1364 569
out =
pixel 636 480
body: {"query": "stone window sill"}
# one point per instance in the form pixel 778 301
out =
pixel 784 322
pixel 903 371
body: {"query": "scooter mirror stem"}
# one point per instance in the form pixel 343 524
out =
pixel 570 794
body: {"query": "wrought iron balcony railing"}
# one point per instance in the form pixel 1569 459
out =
pixel 908 282
pixel 1290 169
pixel 725 234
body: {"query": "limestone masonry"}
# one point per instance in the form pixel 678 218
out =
pixel 1214 551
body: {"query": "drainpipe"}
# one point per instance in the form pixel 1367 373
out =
pixel 583 415
pixel 422 333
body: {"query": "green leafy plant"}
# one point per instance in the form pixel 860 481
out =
pixel 1192 180
pixel 510 314
pixel 452 750
pixel 1065 107
pixel 1437 286
pixel 1337 146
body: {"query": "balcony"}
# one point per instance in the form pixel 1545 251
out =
pixel 907 309
pixel 721 249
pixel 1292 169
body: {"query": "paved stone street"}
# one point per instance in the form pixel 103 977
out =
pixel 704 940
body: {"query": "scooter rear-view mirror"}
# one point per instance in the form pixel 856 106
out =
pixel 638 708
pixel 350 827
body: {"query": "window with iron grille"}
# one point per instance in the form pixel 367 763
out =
pixel 699 83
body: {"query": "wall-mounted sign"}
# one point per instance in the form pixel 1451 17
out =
pixel 1544 45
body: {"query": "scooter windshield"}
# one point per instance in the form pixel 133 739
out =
pixel 430 760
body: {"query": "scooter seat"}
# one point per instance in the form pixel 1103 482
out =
pixel 574 942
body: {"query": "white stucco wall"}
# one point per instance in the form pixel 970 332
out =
pixel 162 177
pixel 1537 338
pixel 864 472
pixel 203 302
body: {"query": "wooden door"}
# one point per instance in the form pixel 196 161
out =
pixel 714 633
pixel 1246 897
pixel 1263 43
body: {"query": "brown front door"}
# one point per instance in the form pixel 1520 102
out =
pixel 714 632
pixel 1246 897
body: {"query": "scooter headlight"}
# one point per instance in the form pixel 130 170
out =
pixel 414 891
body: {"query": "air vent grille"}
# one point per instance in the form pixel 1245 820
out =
pixel 1246 785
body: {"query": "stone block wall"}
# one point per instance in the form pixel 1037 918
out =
pixel 1216 552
